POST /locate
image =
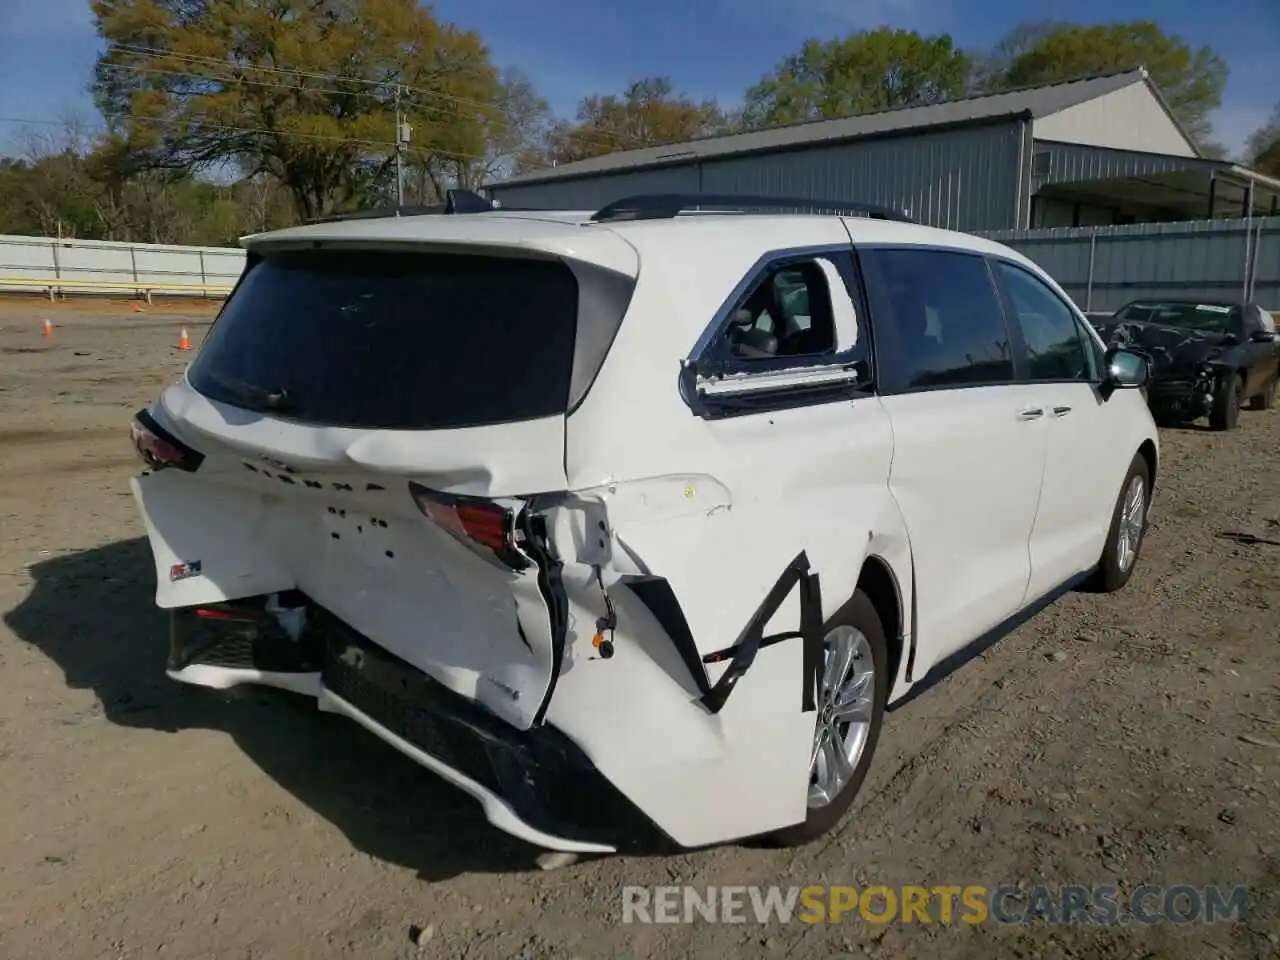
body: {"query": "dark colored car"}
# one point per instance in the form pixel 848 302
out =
pixel 1207 358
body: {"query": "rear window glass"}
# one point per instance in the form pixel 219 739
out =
pixel 395 339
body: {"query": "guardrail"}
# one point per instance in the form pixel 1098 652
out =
pixel 60 266
pixel 55 287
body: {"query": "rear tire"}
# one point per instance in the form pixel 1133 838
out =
pixel 1124 538
pixel 1226 405
pixel 860 614
pixel 1267 398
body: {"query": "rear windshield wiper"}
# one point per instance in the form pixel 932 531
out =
pixel 259 398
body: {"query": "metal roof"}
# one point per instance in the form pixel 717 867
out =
pixel 1031 101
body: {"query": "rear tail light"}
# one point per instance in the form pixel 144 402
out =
pixel 487 528
pixel 220 613
pixel 158 448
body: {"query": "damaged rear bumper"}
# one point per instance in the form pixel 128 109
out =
pixel 534 784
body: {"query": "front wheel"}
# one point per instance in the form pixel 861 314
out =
pixel 1128 528
pixel 1226 404
pixel 851 700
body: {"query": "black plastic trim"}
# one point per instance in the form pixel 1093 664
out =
pixel 191 457
pixel 656 594
pixel 743 652
pixel 242 634
pixel 664 206
pixel 915 622
pixel 551 587
pixel 813 640
pixel 548 780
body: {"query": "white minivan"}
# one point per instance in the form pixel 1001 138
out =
pixel 631 524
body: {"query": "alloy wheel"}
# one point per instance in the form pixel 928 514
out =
pixel 846 699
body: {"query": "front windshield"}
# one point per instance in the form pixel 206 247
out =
pixel 1210 317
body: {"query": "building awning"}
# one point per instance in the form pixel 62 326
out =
pixel 1163 187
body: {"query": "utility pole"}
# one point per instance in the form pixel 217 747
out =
pixel 403 131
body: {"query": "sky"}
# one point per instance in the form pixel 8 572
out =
pixel 709 48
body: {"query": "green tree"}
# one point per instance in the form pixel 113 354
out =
pixel 516 136
pixel 302 90
pixel 861 73
pixel 990 68
pixel 648 112
pixel 1263 149
pixel 1192 80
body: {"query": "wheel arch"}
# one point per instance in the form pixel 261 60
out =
pixel 878 581
pixel 1147 450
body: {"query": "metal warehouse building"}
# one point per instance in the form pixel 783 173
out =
pixel 1100 151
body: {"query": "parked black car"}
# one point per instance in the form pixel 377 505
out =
pixel 1207 358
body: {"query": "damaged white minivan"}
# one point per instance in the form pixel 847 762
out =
pixel 632 524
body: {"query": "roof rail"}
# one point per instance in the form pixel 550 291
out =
pixel 455 201
pixel 664 206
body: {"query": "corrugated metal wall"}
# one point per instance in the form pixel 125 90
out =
pixel 107 262
pixel 962 178
pixel 1072 163
pixel 1103 268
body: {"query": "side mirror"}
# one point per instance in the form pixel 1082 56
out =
pixel 1262 336
pixel 1123 370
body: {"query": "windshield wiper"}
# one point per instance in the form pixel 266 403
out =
pixel 259 398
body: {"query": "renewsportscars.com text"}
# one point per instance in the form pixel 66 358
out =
pixel 943 903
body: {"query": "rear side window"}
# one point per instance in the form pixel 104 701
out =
pixel 396 340
pixel 787 314
pixel 946 325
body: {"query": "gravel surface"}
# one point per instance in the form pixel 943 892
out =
pixel 1124 740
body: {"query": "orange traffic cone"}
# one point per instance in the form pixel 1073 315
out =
pixel 47 331
pixel 184 341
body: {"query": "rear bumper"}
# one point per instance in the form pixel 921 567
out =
pixel 535 784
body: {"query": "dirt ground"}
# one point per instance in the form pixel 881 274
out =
pixel 1129 739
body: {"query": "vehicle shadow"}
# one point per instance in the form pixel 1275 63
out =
pixel 1185 426
pixel 93 614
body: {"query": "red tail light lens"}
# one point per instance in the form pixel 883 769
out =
pixel 486 527
pixel 217 613
pixel 158 448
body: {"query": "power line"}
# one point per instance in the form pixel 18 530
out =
pixel 590 139
pixel 199 60
pixel 133 50
pixel 135 68
pixel 386 144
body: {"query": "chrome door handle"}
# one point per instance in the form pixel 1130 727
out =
pixel 1031 413
pixel 1061 411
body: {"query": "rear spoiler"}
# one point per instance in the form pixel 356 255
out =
pixel 455 201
